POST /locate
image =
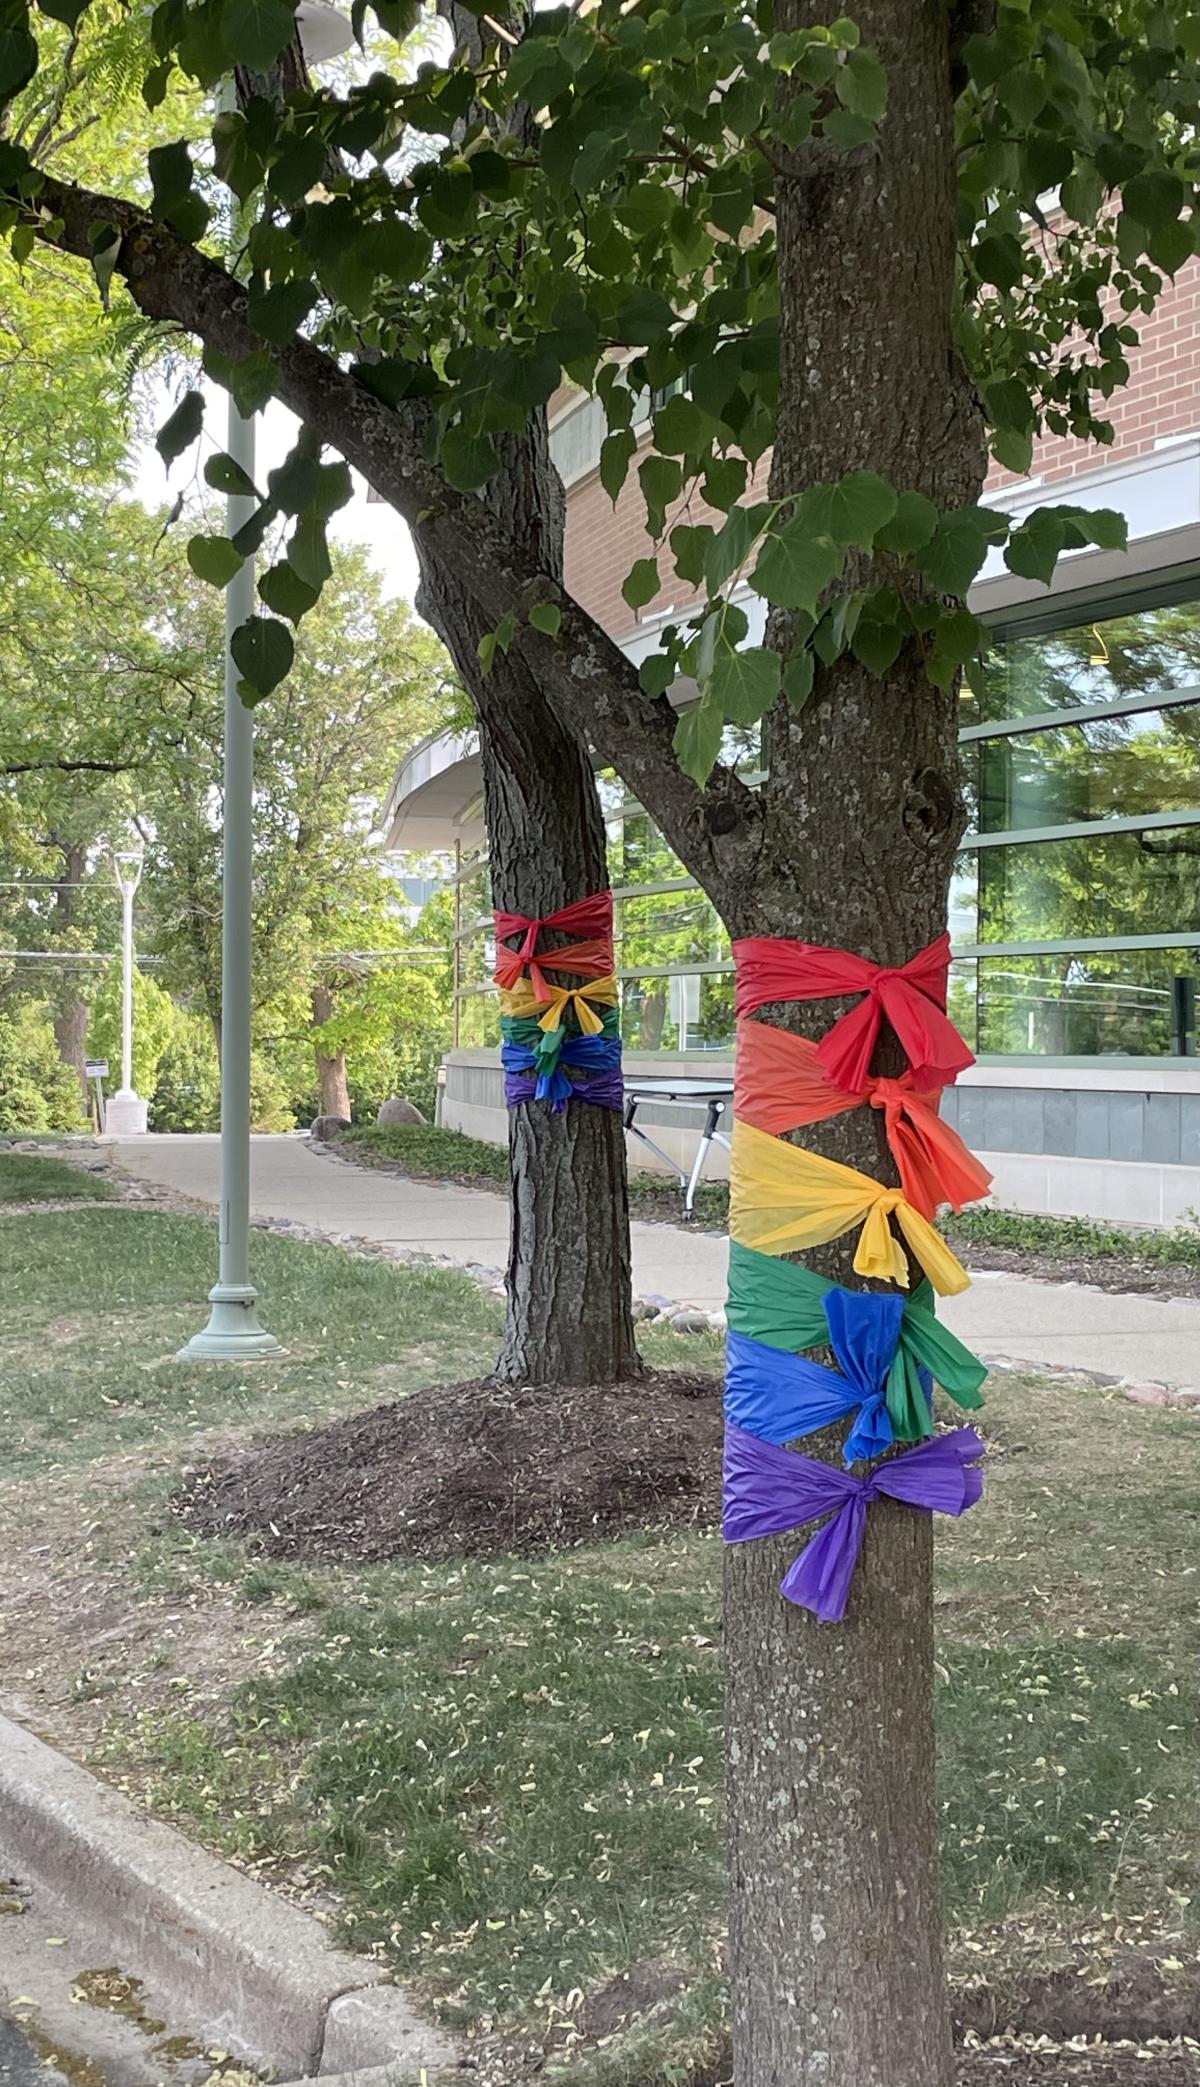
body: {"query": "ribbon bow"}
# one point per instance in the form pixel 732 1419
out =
pixel 782 1305
pixel 781 1085
pixel 769 1491
pixel 521 1000
pixel 778 1396
pixel 912 996
pixel 782 1197
pixel 532 1074
pixel 592 957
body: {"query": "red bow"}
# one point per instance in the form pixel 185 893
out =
pixel 912 996
pixel 780 1085
pixel 591 958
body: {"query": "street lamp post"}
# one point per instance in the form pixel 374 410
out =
pixel 233 1332
pixel 126 1114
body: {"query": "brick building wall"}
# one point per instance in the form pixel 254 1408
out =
pixel 1161 400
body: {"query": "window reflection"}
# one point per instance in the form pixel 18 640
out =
pixel 1142 653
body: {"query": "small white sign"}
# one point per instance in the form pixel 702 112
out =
pixel 96 1068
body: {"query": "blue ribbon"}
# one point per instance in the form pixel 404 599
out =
pixel 588 1054
pixel 779 1396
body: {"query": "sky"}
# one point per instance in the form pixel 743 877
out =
pixel 364 522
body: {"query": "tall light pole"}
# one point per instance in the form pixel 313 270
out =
pixel 126 1113
pixel 233 1332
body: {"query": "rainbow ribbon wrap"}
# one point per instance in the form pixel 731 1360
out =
pixel 888 1346
pixel 561 1041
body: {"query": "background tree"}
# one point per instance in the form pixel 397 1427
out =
pixel 822 225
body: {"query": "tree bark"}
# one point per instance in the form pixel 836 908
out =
pixel 835 1934
pixel 332 1076
pixel 569 1280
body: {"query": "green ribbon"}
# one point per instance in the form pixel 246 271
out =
pixel 781 1304
pixel 546 1044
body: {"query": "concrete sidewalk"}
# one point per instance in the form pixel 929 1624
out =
pixel 1141 1338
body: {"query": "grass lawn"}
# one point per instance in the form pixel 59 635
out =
pixel 25 1177
pixel 507 1775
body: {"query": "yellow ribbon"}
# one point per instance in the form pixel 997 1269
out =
pixel 520 1000
pixel 783 1198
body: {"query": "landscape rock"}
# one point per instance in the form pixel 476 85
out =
pixel 1148 1394
pixel 326 1128
pixel 398 1109
pixel 689 1322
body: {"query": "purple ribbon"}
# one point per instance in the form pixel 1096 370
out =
pixel 769 1490
pixel 605 1089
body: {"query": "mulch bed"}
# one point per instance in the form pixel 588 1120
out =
pixel 1105 1271
pixel 475 1470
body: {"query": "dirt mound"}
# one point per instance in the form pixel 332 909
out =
pixel 475 1470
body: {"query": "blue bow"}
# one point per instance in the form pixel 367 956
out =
pixel 779 1396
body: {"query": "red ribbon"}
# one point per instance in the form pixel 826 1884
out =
pixel 780 1085
pixel 912 996
pixel 593 957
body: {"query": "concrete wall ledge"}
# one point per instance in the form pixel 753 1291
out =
pixel 259 1972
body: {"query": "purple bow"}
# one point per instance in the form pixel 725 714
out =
pixel 769 1490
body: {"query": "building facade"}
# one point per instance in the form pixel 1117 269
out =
pixel 1075 912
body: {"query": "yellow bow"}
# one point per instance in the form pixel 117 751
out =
pixel 783 1198
pixel 521 1001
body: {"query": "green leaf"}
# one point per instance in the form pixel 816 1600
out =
pixel 293 484
pixel 1033 550
pixel 308 551
pixel 1001 260
pixel 794 568
pixel 616 453
pixel 1171 244
pixel 256 31
pixel 662 482
pixel 546 616
pixel 182 429
pixel 18 60
pixel 643 319
pixel 283 590
pixel 249 538
pixel 68 11
pixel 878 634
pixel 680 427
pixel 263 652
pixel 1013 448
pixel 958 548
pixel 279 310
pixel 214 558
pixel 860 84
pixel 847 130
pixel 689 547
pixel 225 475
pixel 641 583
pixel 910 528
pixel 730 547
pixel 155 84
pixel 236 159
pixel 698 740
pixel 1108 529
pixel 469 458
pixel 1154 198
pixel 799 673
pixel 861 504
pixel 745 683
pixel 335 489
pixel 486 650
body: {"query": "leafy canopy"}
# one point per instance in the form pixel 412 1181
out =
pixel 589 199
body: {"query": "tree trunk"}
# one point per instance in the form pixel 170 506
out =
pixel 569 1318
pixel 331 1065
pixel 835 1933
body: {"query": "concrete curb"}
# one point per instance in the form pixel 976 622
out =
pixel 256 1970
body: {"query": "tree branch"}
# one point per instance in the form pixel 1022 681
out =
pixel 714 830
pixel 67 767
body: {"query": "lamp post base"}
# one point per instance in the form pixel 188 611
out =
pixel 125 1114
pixel 233 1333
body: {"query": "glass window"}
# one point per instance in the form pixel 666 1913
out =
pixel 1139 654
pixel 689 1013
pixel 1127 1003
pixel 1106 768
pixel 479 1020
pixel 1101 884
pixel 674 927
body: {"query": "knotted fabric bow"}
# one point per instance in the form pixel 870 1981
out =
pixel 592 957
pixel 596 1058
pixel 780 1085
pixel 521 1000
pixel 783 1198
pixel 769 1490
pixel 782 1305
pixel 912 996
pixel 779 1396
